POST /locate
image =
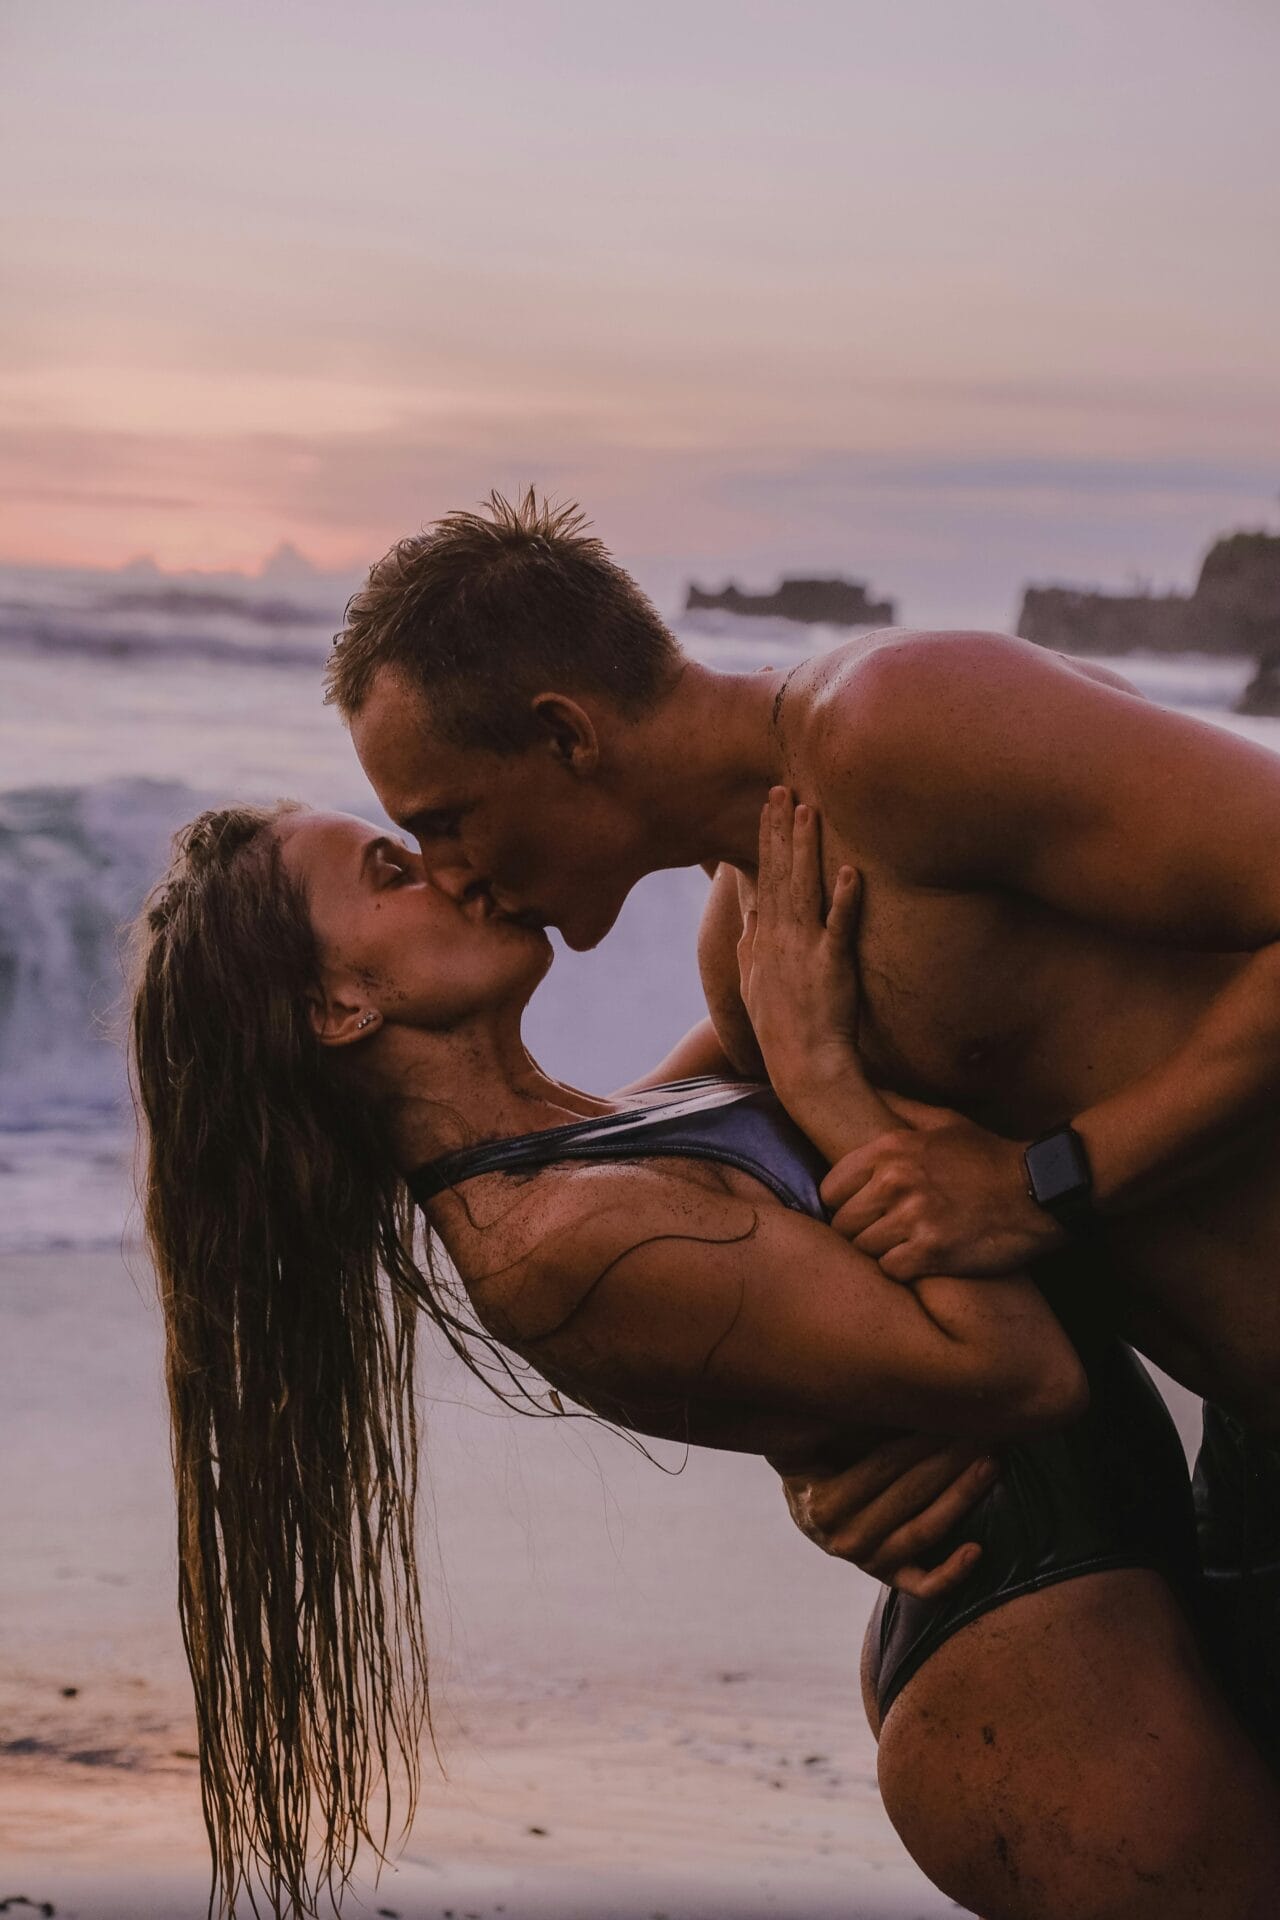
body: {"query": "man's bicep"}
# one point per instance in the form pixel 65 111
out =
pixel 1155 823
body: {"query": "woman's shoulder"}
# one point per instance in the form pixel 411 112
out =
pixel 539 1244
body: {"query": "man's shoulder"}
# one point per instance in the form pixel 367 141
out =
pixel 904 667
pixel 868 705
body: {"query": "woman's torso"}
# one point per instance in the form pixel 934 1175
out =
pixel 704 1135
pixel 1109 1490
pixel 682 1141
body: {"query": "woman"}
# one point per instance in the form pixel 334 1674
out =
pixel 319 1031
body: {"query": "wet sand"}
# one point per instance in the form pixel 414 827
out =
pixel 644 1680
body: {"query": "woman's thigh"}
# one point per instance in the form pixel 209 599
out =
pixel 1067 1757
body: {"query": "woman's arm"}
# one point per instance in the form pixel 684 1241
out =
pixel 644 1289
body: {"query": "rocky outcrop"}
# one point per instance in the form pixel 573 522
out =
pixel 1238 592
pixel 1235 609
pixel 1074 622
pixel 832 603
pixel 1262 695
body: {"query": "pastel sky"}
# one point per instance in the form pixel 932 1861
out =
pixel 948 293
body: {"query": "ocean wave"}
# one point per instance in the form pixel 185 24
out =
pixel 120 616
pixel 75 865
pixel 39 632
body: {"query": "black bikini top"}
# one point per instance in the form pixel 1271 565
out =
pixel 736 1122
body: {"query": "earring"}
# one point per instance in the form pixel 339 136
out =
pixel 365 1020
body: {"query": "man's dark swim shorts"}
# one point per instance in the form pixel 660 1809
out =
pixel 1237 1500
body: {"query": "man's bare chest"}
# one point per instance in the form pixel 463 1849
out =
pixel 1007 1009
pixel 956 998
pixel 958 993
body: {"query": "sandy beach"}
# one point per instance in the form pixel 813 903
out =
pixel 644 1680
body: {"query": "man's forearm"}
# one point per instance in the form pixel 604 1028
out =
pixel 1153 1132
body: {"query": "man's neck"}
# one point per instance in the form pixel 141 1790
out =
pixel 702 766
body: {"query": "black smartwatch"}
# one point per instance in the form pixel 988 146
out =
pixel 1058 1176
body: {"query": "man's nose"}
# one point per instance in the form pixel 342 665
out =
pixel 454 878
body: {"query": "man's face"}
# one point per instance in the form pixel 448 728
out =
pixel 547 846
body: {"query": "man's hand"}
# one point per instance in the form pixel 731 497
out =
pixel 941 1196
pixel 797 972
pixel 891 1512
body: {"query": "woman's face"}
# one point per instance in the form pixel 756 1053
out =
pixel 394 943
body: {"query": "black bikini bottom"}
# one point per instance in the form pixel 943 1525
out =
pixel 1237 1500
pixel 1110 1491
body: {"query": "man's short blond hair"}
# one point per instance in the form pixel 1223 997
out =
pixel 483 611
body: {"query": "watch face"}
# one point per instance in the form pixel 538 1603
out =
pixel 1056 1167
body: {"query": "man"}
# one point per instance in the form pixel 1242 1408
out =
pixel 1070 914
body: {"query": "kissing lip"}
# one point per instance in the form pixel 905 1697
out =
pixel 477 903
pixel 527 917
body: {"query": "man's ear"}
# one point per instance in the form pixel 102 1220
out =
pixel 337 1020
pixel 568 730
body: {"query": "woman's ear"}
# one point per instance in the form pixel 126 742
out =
pixel 336 1020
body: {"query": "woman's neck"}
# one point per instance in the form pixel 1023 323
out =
pixel 444 1091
